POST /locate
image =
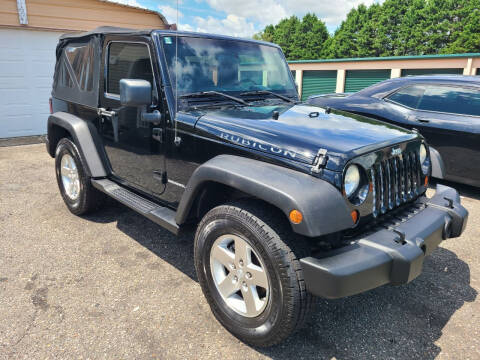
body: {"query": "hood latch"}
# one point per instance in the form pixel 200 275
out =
pixel 320 161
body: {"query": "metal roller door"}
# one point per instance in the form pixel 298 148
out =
pixel 357 80
pixel 27 61
pixel 317 82
pixel 409 72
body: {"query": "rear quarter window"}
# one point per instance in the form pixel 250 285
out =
pixel 409 96
pixel 77 72
pixel 80 59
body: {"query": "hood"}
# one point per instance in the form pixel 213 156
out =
pixel 300 131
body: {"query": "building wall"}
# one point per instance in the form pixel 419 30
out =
pixel 468 64
pixel 77 15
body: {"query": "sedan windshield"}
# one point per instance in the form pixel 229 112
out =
pixel 226 66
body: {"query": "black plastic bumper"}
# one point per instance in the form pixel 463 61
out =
pixel 391 255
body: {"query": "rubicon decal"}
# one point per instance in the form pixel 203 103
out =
pixel 258 145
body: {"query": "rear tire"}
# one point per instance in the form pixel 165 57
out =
pixel 285 305
pixel 75 186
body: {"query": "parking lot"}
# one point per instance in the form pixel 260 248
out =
pixel 115 285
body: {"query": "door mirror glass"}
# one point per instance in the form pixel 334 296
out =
pixel 135 92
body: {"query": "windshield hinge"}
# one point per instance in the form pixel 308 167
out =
pixel 320 161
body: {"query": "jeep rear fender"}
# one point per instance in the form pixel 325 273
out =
pixel 322 205
pixel 81 132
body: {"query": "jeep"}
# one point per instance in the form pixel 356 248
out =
pixel 290 201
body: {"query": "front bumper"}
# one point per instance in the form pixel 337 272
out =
pixel 393 254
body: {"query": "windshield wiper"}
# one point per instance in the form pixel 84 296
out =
pixel 267 92
pixel 218 93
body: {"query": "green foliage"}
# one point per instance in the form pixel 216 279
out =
pixel 299 39
pixel 393 28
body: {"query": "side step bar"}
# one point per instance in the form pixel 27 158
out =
pixel 161 215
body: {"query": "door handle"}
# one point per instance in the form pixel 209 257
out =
pixel 422 120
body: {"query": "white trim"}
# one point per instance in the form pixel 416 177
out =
pixel 176 183
pixel 340 87
pixel 299 81
pixel 22 12
pixel 395 73
pixel 468 70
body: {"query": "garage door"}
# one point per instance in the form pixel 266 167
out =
pixel 410 72
pixel 318 82
pixel 357 80
pixel 27 61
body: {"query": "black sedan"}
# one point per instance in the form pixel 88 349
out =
pixel 445 110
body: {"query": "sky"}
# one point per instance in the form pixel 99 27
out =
pixel 243 18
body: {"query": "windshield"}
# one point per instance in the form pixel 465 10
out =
pixel 226 66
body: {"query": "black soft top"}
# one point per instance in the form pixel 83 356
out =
pixel 105 30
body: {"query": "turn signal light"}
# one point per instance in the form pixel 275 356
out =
pixel 354 215
pixel 296 217
pixel 426 180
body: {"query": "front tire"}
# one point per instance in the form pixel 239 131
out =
pixel 247 263
pixel 74 184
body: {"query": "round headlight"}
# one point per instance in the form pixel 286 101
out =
pixel 423 153
pixel 352 180
pixel 424 159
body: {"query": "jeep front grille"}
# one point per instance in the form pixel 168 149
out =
pixel 395 180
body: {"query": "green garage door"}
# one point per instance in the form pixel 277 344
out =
pixel 357 80
pixel 407 72
pixel 317 82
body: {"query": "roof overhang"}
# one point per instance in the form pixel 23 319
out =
pixel 138 8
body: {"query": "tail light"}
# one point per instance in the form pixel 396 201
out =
pixel 51 105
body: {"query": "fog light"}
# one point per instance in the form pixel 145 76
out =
pixel 296 217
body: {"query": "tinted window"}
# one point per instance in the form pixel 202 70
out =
pixel 128 61
pixel 451 99
pixel 409 96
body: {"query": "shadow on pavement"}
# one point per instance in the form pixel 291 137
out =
pixel 389 322
pixel 463 189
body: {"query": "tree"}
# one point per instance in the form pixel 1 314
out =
pixel 299 39
pixel 393 28
pixel 308 39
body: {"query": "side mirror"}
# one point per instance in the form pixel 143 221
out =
pixel 135 92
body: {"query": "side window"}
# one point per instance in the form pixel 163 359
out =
pixel 408 96
pixel 127 61
pixel 77 72
pixel 63 78
pixel 451 99
pixel 80 59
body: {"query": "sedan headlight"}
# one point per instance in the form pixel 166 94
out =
pixel 352 180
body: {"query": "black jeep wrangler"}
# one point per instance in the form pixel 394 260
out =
pixel 289 200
